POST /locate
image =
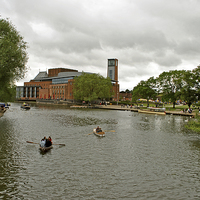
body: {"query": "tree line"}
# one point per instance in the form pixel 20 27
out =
pixel 172 86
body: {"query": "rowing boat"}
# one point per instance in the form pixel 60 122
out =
pixel 45 149
pixel 2 108
pixel 152 110
pixel 25 106
pixel 99 134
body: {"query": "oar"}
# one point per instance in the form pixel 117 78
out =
pixel 38 143
pixel 109 131
pixel 32 142
pixel 90 133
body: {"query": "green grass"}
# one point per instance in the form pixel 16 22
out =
pixel 194 125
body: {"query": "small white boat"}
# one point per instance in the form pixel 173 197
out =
pixel 99 134
pixel 152 110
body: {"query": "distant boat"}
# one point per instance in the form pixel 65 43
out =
pixel 152 110
pixel 25 106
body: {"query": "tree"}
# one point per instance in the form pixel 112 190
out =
pixel 188 92
pixel 89 87
pixel 170 84
pixel 13 58
pixel 144 90
pixel 196 77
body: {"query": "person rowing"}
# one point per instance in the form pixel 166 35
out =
pixel 48 142
pixel 98 129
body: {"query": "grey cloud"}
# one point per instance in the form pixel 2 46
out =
pixel 147 37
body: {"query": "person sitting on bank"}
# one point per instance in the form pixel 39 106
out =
pixel 98 129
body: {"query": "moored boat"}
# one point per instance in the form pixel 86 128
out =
pixel 2 108
pixel 99 134
pixel 152 110
pixel 45 149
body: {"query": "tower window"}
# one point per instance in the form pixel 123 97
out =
pixel 110 74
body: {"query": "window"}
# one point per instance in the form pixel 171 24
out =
pixel 111 62
pixel 110 74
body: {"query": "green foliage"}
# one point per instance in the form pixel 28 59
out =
pixel 194 124
pixel 89 87
pixel 13 58
pixel 188 91
pixel 145 89
pixel 169 84
pixel 7 94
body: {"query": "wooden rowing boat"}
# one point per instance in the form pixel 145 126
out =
pixel 45 149
pixel 99 134
pixel 152 110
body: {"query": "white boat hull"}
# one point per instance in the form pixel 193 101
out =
pixel 99 134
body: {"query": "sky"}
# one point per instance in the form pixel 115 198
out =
pixel 147 37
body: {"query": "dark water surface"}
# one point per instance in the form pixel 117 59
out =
pixel 147 157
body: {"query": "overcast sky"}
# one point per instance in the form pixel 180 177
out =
pixel 146 36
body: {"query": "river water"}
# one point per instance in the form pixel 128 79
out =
pixel 141 157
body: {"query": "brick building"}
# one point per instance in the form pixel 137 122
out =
pixel 125 96
pixel 58 84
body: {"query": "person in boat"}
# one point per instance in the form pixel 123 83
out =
pixel 42 143
pixel 48 143
pixel 50 139
pixel 98 129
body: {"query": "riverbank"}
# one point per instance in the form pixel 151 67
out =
pixel 119 107
pixel 109 107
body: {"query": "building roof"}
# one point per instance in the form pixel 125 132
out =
pixel 70 74
pixel 41 75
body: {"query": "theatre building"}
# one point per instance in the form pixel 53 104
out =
pixel 58 83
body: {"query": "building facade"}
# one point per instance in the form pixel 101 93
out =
pixel 58 84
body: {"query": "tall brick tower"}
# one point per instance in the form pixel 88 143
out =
pixel 113 69
pixel 113 74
